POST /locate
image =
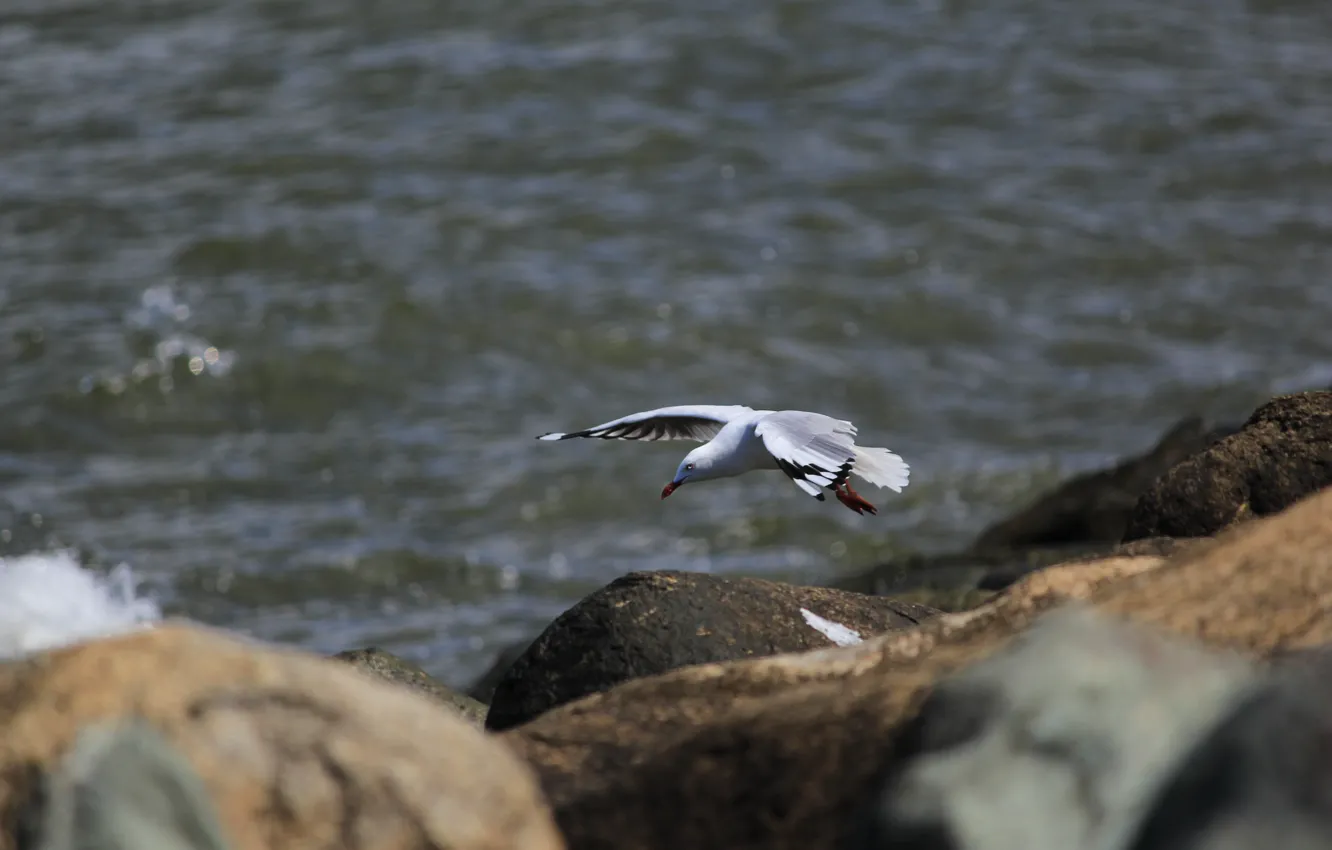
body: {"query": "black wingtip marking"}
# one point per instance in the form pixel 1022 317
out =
pixel 803 473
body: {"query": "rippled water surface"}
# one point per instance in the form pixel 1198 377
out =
pixel 287 288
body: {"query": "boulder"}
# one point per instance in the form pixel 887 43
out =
pixel 1260 778
pixel 1061 740
pixel 773 753
pixel 1282 454
pixel 1096 507
pixel 390 668
pixel 648 623
pixel 784 752
pixel 294 751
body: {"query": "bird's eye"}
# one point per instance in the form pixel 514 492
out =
pixel 689 467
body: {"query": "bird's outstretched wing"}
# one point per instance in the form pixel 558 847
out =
pixel 698 422
pixel 816 451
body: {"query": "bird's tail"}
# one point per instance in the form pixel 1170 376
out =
pixel 881 468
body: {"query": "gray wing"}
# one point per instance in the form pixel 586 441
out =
pixel 814 450
pixel 699 422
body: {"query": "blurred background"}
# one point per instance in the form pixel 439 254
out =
pixel 287 288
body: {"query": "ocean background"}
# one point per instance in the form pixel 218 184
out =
pixel 287 287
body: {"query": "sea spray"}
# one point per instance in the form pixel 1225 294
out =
pixel 49 599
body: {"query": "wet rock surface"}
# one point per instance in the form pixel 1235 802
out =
pixel 644 624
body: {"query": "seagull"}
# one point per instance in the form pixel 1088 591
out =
pixel 815 451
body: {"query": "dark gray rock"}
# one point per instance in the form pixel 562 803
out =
pixel 649 623
pixel 1282 454
pixel 1262 778
pixel 387 666
pixel 1058 741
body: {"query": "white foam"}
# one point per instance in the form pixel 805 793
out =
pixel 49 600
pixel 835 632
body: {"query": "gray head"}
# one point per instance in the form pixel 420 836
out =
pixel 698 465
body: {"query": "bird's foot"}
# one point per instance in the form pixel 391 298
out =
pixel 853 500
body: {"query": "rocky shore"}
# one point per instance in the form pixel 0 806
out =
pixel 1137 661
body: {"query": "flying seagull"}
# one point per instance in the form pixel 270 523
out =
pixel 814 450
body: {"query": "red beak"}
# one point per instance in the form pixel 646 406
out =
pixel 668 489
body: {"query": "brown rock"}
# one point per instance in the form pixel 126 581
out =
pixel 956 581
pixel 1095 507
pixel 648 623
pixel 391 668
pixel 1083 518
pixel 1282 454
pixel 782 752
pixel 294 751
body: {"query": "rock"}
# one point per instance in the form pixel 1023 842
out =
pixel 483 689
pixel 1061 740
pixel 780 752
pixel 1152 546
pixel 652 622
pixel 1095 507
pixel 295 752
pixel 391 668
pixel 949 581
pixel 1085 517
pixel 1282 454
pixel 123 787
pixel 775 752
pixel 962 581
pixel 1260 779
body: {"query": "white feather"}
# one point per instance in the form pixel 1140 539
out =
pixel 835 632
pixel 699 422
pixel 881 468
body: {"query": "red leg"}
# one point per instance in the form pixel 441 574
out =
pixel 853 500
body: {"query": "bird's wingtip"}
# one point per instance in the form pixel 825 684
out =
pixel 553 435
